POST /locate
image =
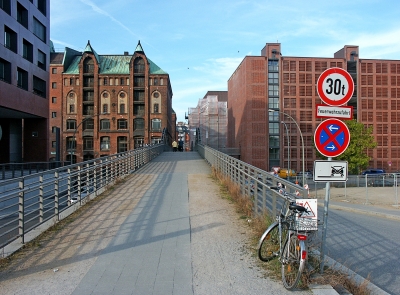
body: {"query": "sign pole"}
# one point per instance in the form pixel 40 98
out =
pixel 325 225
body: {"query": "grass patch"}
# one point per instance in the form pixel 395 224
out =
pixel 259 223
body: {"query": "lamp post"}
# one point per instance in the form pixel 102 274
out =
pixel 288 148
pixel 76 129
pixel 301 135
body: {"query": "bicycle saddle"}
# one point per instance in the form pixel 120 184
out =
pixel 294 206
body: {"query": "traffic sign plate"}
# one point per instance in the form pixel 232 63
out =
pixel 335 86
pixel 332 171
pixel 332 137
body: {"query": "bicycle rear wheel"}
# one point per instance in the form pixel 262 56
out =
pixel 268 246
pixel 292 262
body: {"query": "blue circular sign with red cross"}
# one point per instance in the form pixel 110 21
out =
pixel 332 137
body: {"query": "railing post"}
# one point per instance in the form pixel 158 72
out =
pixel 21 212
pixel 79 185
pixel 41 199
pixel 69 187
pixel 56 191
pixel 95 178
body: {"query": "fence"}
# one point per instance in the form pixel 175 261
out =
pixel 254 182
pixel 42 199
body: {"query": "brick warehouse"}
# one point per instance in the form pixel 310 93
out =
pixel 288 84
pixel 106 104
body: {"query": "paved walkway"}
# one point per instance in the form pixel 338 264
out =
pixel 164 231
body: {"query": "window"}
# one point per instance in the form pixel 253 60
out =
pixel 88 66
pixel 105 143
pixel 71 108
pixel 88 110
pixel 122 143
pixel 155 81
pixel 122 81
pixel 138 82
pixel 105 82
pixel 22 78
pixel 54 70
pixel 105 124
pixel 53 114
pixel 156 125
pixel 10 39
pixel 6 6
pixel 88 143
pixel 88 82
pixel 138 124
pixel 53 144
pixel 138 95
pixel 139 66
pixel 71 81
pixel 88 96
pixel 105 108
pixel 54 85
pixel 138 110
pixel 122 124
pixel 41 5
pixel 5 70
pixel 156 107
pixel 41 60
pixel 27 50
pixel 122 108
pixel 22 15
pixel 71 124
pixel 54 99
pixel 88 124
pixel 39 86
pixel 39 29
pixel 54 129
pixel 71 143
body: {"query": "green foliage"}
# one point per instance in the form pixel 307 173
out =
pixel 361 140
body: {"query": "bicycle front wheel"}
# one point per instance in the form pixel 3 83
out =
pixel 292 262
pixel 268 246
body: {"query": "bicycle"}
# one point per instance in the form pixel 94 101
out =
pixel 286 238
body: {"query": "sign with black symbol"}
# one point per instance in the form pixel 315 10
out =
pixel 330 171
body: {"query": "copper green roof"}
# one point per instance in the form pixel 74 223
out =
pixel 112 64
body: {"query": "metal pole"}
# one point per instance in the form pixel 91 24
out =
pixel 287 134
pixel 323 243
pixel 301 136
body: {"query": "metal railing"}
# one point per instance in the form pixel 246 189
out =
pixel 253 182
pixel 43 198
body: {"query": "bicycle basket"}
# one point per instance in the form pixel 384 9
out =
pixel 303 224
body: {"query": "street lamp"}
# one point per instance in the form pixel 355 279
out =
pixel 76 129
pixel 288 148
pixel 301 135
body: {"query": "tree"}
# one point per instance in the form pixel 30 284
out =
pixel 361 140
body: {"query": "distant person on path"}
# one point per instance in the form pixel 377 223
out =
pixel 180 148
pixel 174 146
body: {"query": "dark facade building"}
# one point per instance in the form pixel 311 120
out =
pixel 265 90
pixel 24 78
pixel 106 104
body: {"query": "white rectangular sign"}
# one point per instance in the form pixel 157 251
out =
pixel 345 113
pixel 330 171
pixel 309 219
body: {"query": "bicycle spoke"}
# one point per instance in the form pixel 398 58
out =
pixel 291 267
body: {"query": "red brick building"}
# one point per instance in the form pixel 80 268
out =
pixel 106 104
pixel 24 78
pixel 287 85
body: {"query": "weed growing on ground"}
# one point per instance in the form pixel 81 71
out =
pixel 259 222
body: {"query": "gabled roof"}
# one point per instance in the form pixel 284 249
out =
pixel 113 64
pixel 91 50
pixel 108 64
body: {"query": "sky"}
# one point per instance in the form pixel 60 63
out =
pixel 200 43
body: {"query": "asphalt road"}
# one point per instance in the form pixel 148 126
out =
pixel 366 244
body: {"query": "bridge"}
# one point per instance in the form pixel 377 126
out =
pixel 144 234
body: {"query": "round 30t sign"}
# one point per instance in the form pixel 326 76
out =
pixel 335 86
